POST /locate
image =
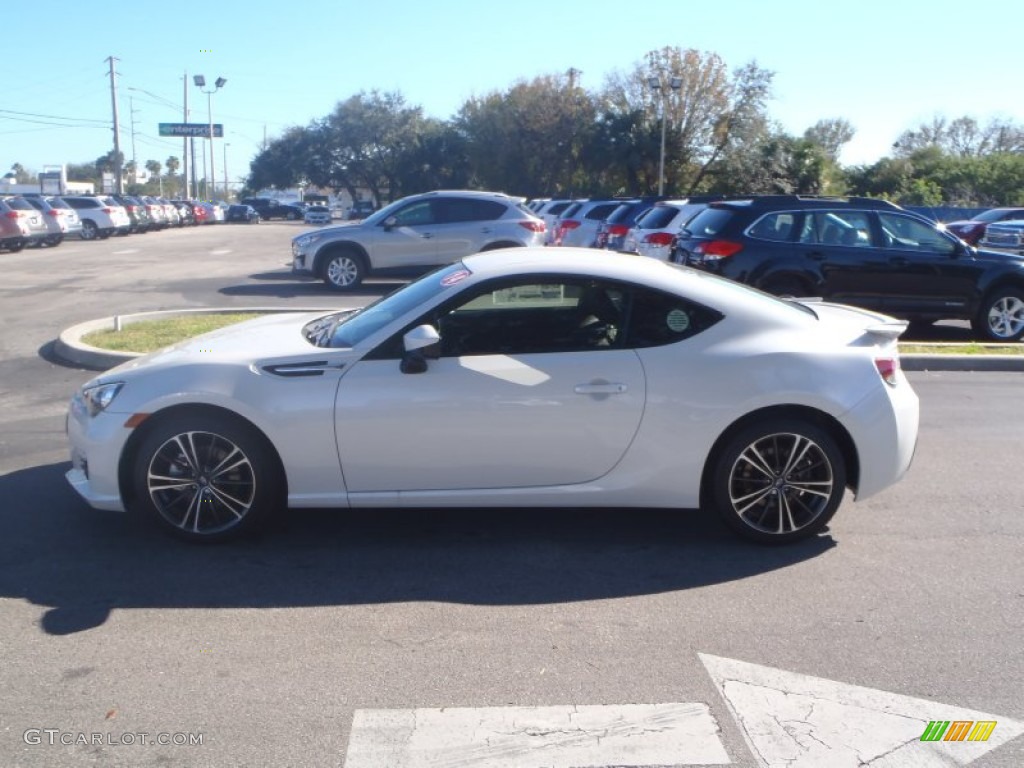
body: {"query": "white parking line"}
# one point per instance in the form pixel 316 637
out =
pixel 798 721
pixel 525 737
pixel 125 251
pixel 220 251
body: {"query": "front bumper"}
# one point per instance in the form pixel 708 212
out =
pixel 96 444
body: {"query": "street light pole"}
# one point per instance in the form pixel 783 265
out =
pixel 655 83
pixel 227 193
pixel 200 81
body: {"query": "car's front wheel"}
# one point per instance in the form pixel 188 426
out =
pixel 1002 316
pixel 206 477
pixel 778 481
pixel 89 230
pixel 343 270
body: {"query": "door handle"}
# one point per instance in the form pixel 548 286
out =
pixel 427 235
pixel 600 388
pixel 486 230
pixel 899 261
pixel 816 255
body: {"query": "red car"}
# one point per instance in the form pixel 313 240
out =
pixel 971 230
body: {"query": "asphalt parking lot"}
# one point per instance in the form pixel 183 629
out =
pixel 286 650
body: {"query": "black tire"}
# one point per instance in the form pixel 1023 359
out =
pixel 205 477
pixel 759 500
pixel 343 270
pixel 16 247
pixel 1001 317
pixel 785 287
pixel 291 216
pixel 89 230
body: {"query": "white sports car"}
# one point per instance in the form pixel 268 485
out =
pixel 513 378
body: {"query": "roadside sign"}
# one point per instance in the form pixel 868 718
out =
pixel 201 130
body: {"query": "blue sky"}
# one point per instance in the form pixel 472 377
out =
pixel 884 66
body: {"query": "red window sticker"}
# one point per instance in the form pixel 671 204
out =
pixel 455 277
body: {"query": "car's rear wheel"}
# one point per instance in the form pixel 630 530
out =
pixel 291 216
pixel 1002 316
pixel 89 230
pixel 206 477
pixel 344 270
pixel 778 481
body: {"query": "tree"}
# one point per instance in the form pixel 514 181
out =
pixel 962 137
pixel 830 134
pixel 531 139
pixel 20 175
pixel 705 116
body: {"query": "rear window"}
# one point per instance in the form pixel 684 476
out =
pixel 20 204
pixel 571 210
pixel 709 222
pixel 57 202
pixel 557 208
pixel 600 212
pixel 659 217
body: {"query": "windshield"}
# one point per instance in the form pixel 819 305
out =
pixel 387 210
pixel 349 328
pixel 994 214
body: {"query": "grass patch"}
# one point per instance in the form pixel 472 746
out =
pixel 963 349
pixel 150 335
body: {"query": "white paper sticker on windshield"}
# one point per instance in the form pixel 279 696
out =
pixel 677 320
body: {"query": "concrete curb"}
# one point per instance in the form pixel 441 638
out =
pixel 70 347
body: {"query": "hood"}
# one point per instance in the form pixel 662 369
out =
pixel 1002 257
pixel 278 335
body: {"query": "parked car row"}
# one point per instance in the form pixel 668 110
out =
pixel 35 220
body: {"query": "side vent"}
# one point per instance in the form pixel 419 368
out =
pixel 288 370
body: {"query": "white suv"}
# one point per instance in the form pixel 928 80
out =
pixel 101 216
pixel 414 234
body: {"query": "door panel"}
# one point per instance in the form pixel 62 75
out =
pixel 488 421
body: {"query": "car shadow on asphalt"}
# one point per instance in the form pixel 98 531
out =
pixel 82 563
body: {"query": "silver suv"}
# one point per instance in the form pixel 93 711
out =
pixel 414 234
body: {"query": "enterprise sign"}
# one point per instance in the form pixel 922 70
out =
pixel 192 129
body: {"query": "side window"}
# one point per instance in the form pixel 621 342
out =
pixel 852 228
pixel 421 212
pixel 454 209
pixel 774 226
pixel 908 233
pixel 533 316
pixel 657 319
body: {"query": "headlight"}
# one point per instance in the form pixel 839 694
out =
pixel 99 396
pixel 304 241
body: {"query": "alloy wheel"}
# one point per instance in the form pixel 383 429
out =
pixel 201 483
pixel 781 483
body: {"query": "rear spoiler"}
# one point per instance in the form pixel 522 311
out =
pixel 887 331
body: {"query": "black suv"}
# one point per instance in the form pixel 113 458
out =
pixel 860 251
pixel 268 208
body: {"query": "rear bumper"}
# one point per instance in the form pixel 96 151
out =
pixel 886 432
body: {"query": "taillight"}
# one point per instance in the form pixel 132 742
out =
pixel 659 238
pixel 568 224
pixel 617 230
pixel 888 367
pixel 717 249
pixel 108 210
pixel 52 212
pixel 11 214
pixel 534 226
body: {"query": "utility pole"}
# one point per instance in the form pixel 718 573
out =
pixel 131 115
pixel 184 142
pixel 118 182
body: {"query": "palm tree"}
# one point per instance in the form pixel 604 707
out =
pixel 153 166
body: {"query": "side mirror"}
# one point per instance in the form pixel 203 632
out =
pixel 390 223
pixel 421 343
